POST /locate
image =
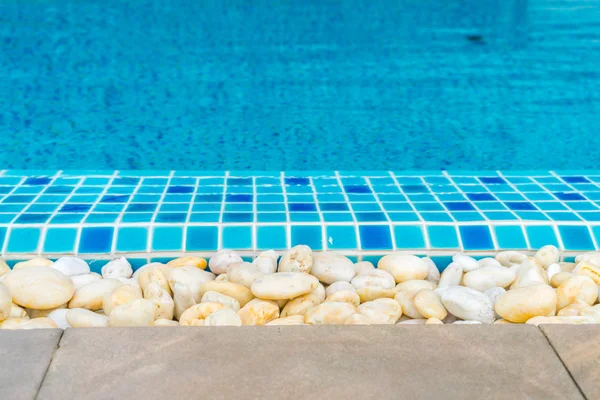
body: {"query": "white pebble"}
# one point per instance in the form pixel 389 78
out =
pixel 222 259
pixel 451 276
pixel 118 268
pixel 467 304
pixel 337 286
pixel 71 266
pixel 433 273
pixel 266 262
pixel 297 259
pixel 468 263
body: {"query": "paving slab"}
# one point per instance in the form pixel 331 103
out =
pixel 24 358
pixel 578 346
pixel 307 362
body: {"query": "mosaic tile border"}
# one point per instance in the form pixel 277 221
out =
pixel 100 213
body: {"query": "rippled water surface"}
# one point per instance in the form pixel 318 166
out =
pixel 313 84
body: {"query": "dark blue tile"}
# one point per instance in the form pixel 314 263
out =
pixel 459 206
pixel 41 180
pixel 568 196
pixel 127 181
pixel 237 217
pixel 476 237
pixel 96 240
pixel 357 189
pixel 115 199
pixel 297 181
pixel 520 206
pixel 239 198
pixel 59 189
pixel 333 206
pixel 32 218
pixel 209 198
pixel 239 181
pixel 576 237
pixel 302 207
pixel 370 217
pixel 491 180
pixel 171 217
pixel 73 208
pixel 575 179
pixel 15 198
pixel 480 197
pixel 141 207
pixel 180 189
pixel 414 189
pixel 375 237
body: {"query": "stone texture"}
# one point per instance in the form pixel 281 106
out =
pixel 24 359
pixel 383 362
pixel 579 349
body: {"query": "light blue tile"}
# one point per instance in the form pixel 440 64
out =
pixel 409 237
pixel 167 238
pixel 310 235
pixel 60 240
pixel 540 236
pixel 443 237
pixel 271 237
pixel 237 237
pixel 202 238
pixel 23 240
pixel 132 239
pixel 341 237
pixel 510 237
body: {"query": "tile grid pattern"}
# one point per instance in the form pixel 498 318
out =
pixel 370 212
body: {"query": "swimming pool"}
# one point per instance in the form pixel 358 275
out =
pixel 299 85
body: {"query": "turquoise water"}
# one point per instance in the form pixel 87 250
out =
pixel 314 84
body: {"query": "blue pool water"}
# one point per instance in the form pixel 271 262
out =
pixel 313 84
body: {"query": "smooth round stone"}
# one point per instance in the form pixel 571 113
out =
pixel 43 313
pixel 165 306
pixel 381 311
pixel 502 322
pixel 222 277
pixel 164 323
pixel 258 312
pixel 192 277
pixel 452 275
pixel 510 258
pixel 157 273
pixel 291 320
pixel 40 288
pixel 467 304
pixel 299 305
pixel 163 267
pixel 223 317
pixel 468 263
pixel 196 314
pixel 59 316
pixel 329 313
pixel 433 273
pixel 529 273
pixel 561 320
pixel 429 305
pixel 183 299
pixel 588 269
pixel 91 296
pixel 468 322
pixel 408 307
pixel 80 281
pixel 488 262
pixel 17 312
pixel 38 323
pixel 244 273
pixel 140 312
pixel 4 269
pixel 574 309
pixel 578 287
pixel 560 278
pixel 485 278
pixel 241 293
pixel 297 259
pixel 337 286
pixel 346 296
pixel 552 270
pixel 592 312
pixel 216 297
pixel 121 295
pixel 434 321
pixel 403 267
pixel 371 293
pixel 493 294
pixel 567 266
pixel 71 266
pixel 118 268
pixel 197 262
pixel 420 321
pixel 330 267
pixel 593 256
pixel 83 318
pixel 222 259
pixel 266 262
pixel 363 267
pixel 412 287
pixel 5 302
pixel 379 278
pixel 34 262
pixel 12 323
pixel 284 285
pixel 547 255
pixel 519 305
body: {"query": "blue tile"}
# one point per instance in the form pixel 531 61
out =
pixel 42 180
pixel 442 237
pixel 137 217
pixel 237 217
pixel 237 237
pixel 310 235
pixel 520 206
pixel 96 240
pixel 111 207
pixel 12 208
pixel 177 198
pixel 500 216
pixel 168 238
pixel 32 218
pixel 174 207
pixel 129 181
pixel 366 207
pixel 304 217
pixel 59 189
pixel 341 237
pixel 115 199
pixel 595 232
pixel 436 217
pixel 18 199
pixel 491 180
pixel 403 216
pixel 209 198
pixel 510 237
pixel 409 237
pixel 239 181
pixel 233 206
pixel 210 207
pixel 6 219
pixel 132 239
pixel 271 237
pixel 576 237
pixel 271 217
pixel 429 207
pixel 101 218
pixel 171 217
pixel 397 206
pixel 270 207
pixel 205 217
pixel 563 216
pixel 541 235
pixel 180 189
pixel 465 216
pixel 568 196
pixel 67 218
pixel 239 198
pixel 302 207
pixel 75 208
pixel 370 217
pixel 459 206
pixel 476 237
pixel 141 207
pixel 575 179
pixel 357 189
pixel 337 217
pixel 202 238
pixel 590 216
pixel 414 189
pixel 375 237
pixel 297 181
pixel 23 240
pixel 60 240
pixel 2 235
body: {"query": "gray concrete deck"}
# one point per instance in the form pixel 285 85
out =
pixel 452 362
